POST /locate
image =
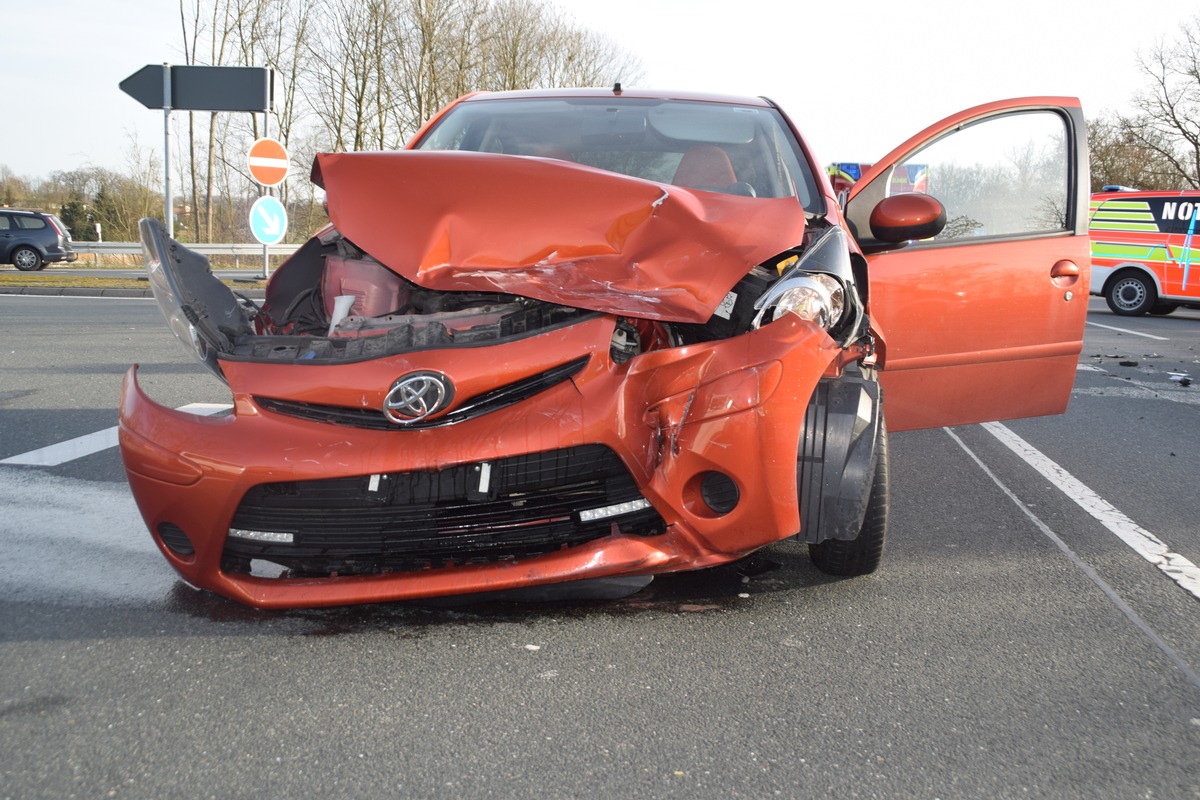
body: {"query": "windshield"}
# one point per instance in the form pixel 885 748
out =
pixel 721 147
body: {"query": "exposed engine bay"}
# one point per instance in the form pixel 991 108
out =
pixel 332 302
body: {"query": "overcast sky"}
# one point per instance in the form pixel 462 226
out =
pixel 857 76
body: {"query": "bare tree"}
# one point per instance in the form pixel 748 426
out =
pixel 207 40
pixel 1119 157
pixel 350 75
pixel 14 190
pixel 346 77
pixel 535 46
pixel 1168 120
pixel 438 55
pixel 581 57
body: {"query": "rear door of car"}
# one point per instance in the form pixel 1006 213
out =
pixel 8 236
pixel 985 320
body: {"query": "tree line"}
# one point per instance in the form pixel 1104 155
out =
pixel 1157 144
pixel 350 75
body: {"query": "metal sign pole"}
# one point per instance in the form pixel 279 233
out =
pixel 168 206
pixel 200 88
pixel 266 135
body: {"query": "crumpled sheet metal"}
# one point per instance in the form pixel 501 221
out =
pixel 553 230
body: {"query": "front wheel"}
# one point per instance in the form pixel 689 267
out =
pixel 27 259
pixel 1131 295
pixel 862 554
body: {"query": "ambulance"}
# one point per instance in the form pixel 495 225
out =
pixel 1145 257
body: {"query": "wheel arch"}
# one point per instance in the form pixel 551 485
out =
pixel 1125 268
pixel 838 451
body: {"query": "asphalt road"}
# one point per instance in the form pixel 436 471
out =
pixel 1012 644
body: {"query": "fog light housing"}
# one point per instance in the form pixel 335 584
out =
pixel 719 492
pixel 175 539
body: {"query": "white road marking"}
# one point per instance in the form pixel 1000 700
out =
pixel 81 446
pixel 1141 391
pixel 76 543
pixel 1131 333
pixel 1142 541
pixel 1087 570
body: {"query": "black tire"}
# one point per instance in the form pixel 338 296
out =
pixel 27 259
pixel 861 555
pixel 1131 294
pixel 1162 309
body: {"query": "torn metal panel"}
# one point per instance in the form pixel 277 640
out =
pixel 552 230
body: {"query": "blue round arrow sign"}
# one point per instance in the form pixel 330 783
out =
pixel 268 220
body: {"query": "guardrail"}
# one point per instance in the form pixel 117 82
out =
pixel 237 250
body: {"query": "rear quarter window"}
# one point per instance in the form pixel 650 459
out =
pixel 31 223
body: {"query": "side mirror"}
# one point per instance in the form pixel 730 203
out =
pixel 907 216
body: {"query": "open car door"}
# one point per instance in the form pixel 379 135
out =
pixel 983 321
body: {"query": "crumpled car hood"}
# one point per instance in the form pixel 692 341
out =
pixel 553 230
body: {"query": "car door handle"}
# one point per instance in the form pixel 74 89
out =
pixel 1065 269
pixel 1064 274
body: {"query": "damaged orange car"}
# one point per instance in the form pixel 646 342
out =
pixel 584 333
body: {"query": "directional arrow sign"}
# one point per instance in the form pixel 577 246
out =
pixel 196 88
pixel 268 220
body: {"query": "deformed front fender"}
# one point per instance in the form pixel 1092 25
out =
pixel 838 452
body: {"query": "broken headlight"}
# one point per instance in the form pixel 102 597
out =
pixel 816 298
pixel 202 312
pixel 809 289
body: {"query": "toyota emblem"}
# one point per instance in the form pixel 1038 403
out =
pixel 416 396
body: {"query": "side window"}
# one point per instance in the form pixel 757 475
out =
pixel 31 223
pixel 1002 176
pixel 1175 215
pixel 5 222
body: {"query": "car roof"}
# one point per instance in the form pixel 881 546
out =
pixel 640 94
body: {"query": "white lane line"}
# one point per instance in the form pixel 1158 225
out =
pixel 1087 570
pixel 67 451
pixel 1143 542
pixel 81 446
pixel 1131 333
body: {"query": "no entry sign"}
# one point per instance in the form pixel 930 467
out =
pixel 268 162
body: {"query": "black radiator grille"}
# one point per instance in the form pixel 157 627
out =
pixel 479 405
pixel 420 520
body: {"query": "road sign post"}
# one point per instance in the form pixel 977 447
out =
pixel 168 200
pixel 197 88
pixel 267 160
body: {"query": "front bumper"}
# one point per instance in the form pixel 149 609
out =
pixel 671 419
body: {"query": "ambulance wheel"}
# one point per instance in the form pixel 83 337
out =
pixel 1162 309
pixel 1131 294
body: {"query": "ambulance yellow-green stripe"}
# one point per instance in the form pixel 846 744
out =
pixel 1143 253
pixel 1122 215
